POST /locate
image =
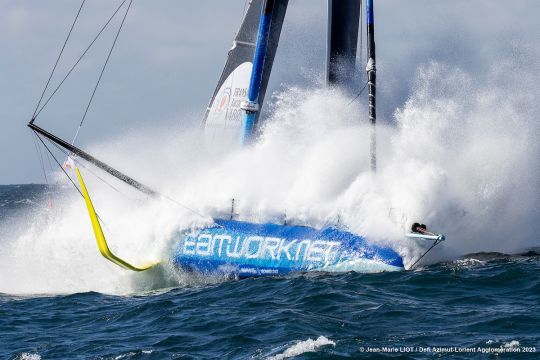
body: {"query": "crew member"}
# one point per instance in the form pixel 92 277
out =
pixel 419 228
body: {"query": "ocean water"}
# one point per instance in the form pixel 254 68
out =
pixel 482 305
pixel 447 158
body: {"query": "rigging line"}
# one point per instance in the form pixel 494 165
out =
pixel 58 59
pixel 69 177
pixel 107 183
pixel 191 210
pixel 82 165
pixel 102 71
pixel 61 167
pixel 49 161
pixel 38 153
pixel 50 164
pixel 80 58
pixel 97 176
pixel 41 156
pixel 421 257
pixel 360 93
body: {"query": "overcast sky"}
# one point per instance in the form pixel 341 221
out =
pixel 170 54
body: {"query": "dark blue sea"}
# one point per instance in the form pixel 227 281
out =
pixel 484 305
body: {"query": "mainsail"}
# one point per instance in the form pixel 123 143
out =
pixel 224 116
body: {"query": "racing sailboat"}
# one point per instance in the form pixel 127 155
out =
pixel 241 248
pixel 253 249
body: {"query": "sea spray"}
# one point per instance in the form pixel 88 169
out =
pixel 460 155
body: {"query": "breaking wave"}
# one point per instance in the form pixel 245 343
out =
pixel 302 347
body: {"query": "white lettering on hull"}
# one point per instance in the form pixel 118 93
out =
pixel 234 249
pixel 259 247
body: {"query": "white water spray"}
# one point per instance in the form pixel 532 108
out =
pixel 461 157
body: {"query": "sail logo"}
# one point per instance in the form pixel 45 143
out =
pixel 225 111
pixel 230 102
pixel 234 112
pixel 224 100
pixel 236 247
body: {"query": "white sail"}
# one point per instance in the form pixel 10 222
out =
pixel 224 119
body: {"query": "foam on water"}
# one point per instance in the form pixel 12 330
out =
pixel 29 356
pixel 302 347
pixel 466 263
pixel 511 344
pixel 460 155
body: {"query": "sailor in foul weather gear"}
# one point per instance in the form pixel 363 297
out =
pixel 419 228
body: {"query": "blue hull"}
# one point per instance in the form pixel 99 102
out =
pixel 244 249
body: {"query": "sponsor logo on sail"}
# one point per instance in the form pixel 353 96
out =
pixel 224 99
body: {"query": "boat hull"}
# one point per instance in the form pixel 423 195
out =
pixel 244 249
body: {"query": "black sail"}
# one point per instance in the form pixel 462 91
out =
pixel 343 22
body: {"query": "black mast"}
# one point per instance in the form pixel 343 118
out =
pixel 372 78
